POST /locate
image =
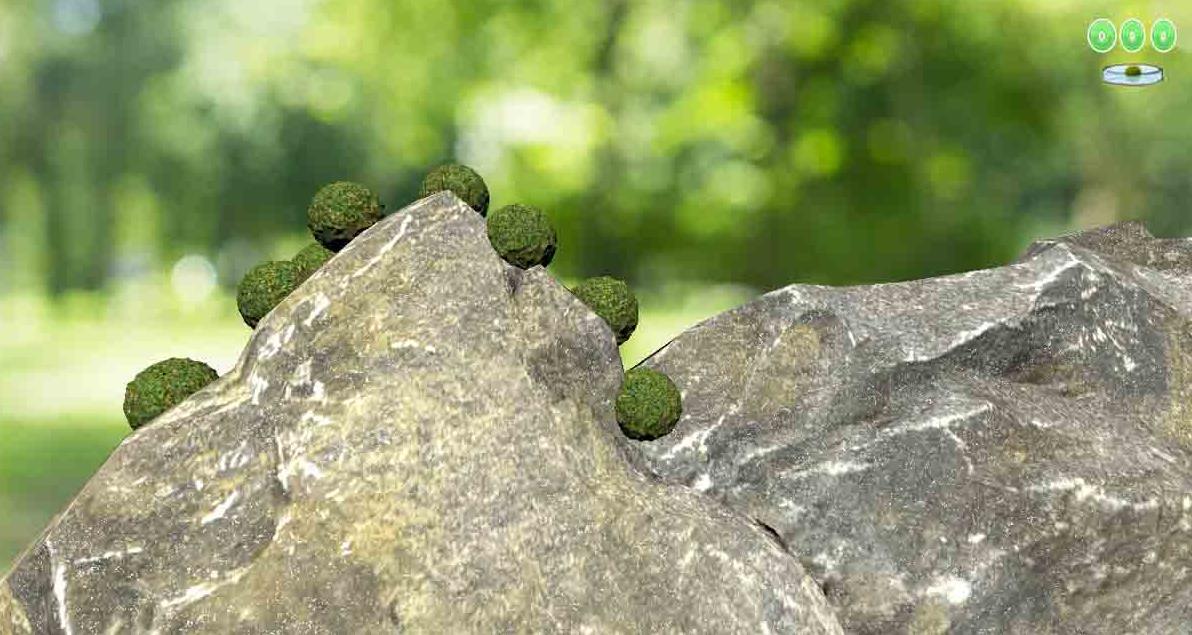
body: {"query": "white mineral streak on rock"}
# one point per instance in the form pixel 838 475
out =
pixel 59 588
pixel 281 471
pixel 258 385
pixel 322 303
pixel 761 452
pixel 234 459
pixel 202 590
pixel 968 462
pixel 301 375
pixel 281 523
pixel 967 336
pixel 309 469
pixel 955 590
pixel 703 483
pixel 976 539
pixel 272 345
pixel 318 392
pixel 829 468
pixel 828 560
pixel 700 436
pixel 310 418
pixel 401 231
pixel 1163 455
pixel 408 344
pixel 1085 491
pixel 220 509
pixel 937 422
pixel 110 555
pixel 1039 285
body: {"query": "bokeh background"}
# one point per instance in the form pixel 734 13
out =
pixel 705 150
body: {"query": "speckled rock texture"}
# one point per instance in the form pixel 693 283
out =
pixel 1003 451
pixel 419 439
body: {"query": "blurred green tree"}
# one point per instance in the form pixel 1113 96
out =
pixel 760 142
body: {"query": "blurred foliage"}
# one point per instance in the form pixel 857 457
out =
pixel 754 142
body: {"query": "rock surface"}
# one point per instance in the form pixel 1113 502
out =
pixel 1002 451
pixel 419 439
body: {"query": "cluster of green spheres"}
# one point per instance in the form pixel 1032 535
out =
pixel 647 407
pixel 339 212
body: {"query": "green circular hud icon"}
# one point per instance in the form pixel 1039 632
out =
pixel 1133 35
pixel 1163 35
pixel 1102 35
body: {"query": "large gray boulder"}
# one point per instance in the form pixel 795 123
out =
pixel 1002 451
pixel 419 439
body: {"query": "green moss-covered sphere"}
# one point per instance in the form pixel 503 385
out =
pixel 648 405
pixel 522 235
pixel 310 259
pixel 340 211
pixel 1133 71
pixel 462 180
pixel 163 386
pixel 613 301
pixel 264 287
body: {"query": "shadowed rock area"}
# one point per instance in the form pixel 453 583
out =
pixel 1002 451
pixel 421 438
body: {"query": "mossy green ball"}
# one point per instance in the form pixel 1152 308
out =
pixel 460 179
pixel 163 386
pixel 264 287
pixel 522 235
pixel 649 405
pixel 310 259
pixel 340 211
pixel 613 301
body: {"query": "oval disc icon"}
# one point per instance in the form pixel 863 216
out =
pixel 1133 35
pixel 1163 35
pixel 1102 35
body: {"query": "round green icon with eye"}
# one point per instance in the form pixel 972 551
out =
pixel 1102 35
pixel 1163 35
pixel 1133 35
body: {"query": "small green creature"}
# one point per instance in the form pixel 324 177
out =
pixel 163 386
pixel 649 404
pixel 613 301
pixel 310 259
pixel 340 211
pixel 264 287
pixel 522 235
pixel 460 179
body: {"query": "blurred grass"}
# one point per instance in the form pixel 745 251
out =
pixel 65 367
pixel 43 464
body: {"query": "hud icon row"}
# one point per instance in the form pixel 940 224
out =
pixel 1103 36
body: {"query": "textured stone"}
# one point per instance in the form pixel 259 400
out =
pixel 420 438
pixel 1002 451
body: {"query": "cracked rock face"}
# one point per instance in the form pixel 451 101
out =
pixel 1002 451
pixel 419 439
